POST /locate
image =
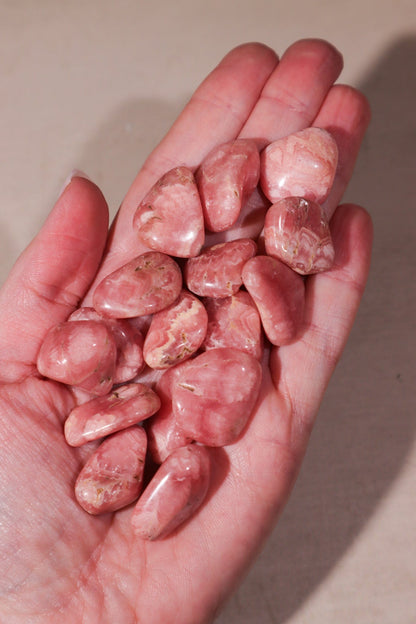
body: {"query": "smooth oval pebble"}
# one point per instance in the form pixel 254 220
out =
pixel 279 294
pixel 296 231
pixel 145 285
pixel 226 178
pixel 234 322
pixel 176 332
pixel 214 395
pixel 113 476
pixel 129 343
pixel 79 353
pixel 176 491
pixel 124 406
pixel 163 433
pixel 302 164
pixel 170 218
pixel 216 272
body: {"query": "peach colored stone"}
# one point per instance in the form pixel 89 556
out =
pixel 279 295
pixel 296 231
pixel 234 322
pixel 129 342
pixel 216 272
pixel 214 395
pixel 302 164
pixel 113 476
pixel 124 406
pixel 176 332
pixel 176 491
pixel 79 353
pixel 170 218
pixel 145 285
pixel 163 433
pixel 226 178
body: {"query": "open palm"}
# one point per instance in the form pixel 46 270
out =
pixel 58 563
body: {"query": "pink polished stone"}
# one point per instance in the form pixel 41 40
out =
pixel 302 164
pixel 176 332
pixel 125 406
pixel 214 395
pixel 296 231
pixel 216 272
pixel 176 491
pixel 129 342
pixel 163 432
pixel 113 476
pixel 145 285
pixel 279 295
pixel 234 322
pixel 80 353
pixel 226 178
pixel 170 218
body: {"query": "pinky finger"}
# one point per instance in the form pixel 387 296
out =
pixel 302 370
pixel 346 115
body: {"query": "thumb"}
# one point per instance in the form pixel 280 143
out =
pixel 51 276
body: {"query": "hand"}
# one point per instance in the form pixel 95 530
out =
pixel 58 563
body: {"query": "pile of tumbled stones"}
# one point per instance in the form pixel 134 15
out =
pixel 228 247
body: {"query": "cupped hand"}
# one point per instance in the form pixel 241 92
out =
pixel 58 563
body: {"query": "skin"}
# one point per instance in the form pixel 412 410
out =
pixel 58 563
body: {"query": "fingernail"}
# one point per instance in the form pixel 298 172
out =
pixel 75 173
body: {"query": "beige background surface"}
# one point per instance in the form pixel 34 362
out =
pixel 94 85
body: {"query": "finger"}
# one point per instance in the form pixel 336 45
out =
pixel 51 276
pixel 346 114
pixel 217 110
pixel 215 114
pixel 301 371
pixel 294 93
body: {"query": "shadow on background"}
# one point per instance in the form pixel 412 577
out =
pixel 366 425
pixel 116 152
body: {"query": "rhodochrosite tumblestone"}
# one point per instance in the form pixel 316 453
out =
pixel 297 232
pixel 279 296
pixel 302 164
pixel 113 476
pixel 226 178
pixel 176 491
pixel 176 332
pixel 216 272
pixel 125 406
pixel 129 343
pixel 214 395
pixel 173 206
pixel 79 353
pixel 234 322
pixel 145 285
pixel 163 432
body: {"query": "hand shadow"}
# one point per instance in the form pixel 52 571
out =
pixel 366 424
